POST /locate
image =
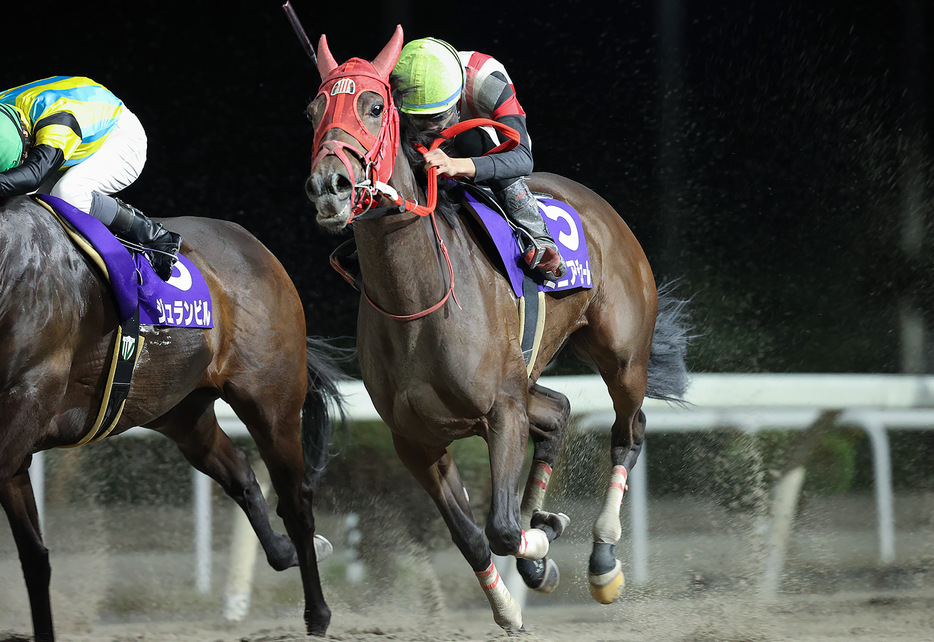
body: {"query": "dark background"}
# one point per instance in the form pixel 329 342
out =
pixel 767 153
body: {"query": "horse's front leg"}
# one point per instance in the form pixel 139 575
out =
pixel 548 413
pixel 434 469
pixel 507 432
pixel 19 503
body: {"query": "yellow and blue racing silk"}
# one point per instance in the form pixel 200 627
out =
pixel 71 114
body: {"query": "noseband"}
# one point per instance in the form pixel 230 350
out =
pixel 342 89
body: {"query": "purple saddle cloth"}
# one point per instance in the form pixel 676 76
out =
pixel 182 301
pixel 565 227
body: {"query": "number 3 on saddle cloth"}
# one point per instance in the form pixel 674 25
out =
pixel 141 297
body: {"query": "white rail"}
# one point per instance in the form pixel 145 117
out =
pixel 749 402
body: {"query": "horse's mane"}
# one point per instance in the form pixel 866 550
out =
pixel 411 136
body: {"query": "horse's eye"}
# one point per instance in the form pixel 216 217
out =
pixel 376 110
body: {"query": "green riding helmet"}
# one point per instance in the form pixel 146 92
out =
pixel 431 76
pixel 12 137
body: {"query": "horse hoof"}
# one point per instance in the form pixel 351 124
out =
pixel 317 622
pixel 508 617
pixel 323 548
pixel 607 587
pixel 550 578
pixel 555 522
pixel 280 554
pixel 539 575
pixel 510 626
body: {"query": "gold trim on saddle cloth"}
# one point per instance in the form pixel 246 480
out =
pixel 78 240
pixel 96 433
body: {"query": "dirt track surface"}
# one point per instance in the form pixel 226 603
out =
pixel 855 617
pixel 128 577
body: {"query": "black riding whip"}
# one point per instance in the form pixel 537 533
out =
pixel 300 32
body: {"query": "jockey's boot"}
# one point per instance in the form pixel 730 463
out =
pixel 539 250
pixel 131 225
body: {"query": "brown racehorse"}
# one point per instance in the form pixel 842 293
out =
pixel 438 335
pixel 57 324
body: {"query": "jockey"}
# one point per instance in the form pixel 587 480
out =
pixel 440 87
pixel 72 138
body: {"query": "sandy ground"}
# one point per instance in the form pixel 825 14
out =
pixel 697 619
pixel 128 576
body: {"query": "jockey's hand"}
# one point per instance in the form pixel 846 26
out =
pixel 447 166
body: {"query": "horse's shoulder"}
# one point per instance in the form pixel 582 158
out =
pixel 36 251
pixel 20 213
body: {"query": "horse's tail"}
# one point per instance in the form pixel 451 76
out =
pixel 668 374
pixel 323 396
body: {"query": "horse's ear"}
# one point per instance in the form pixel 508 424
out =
pixel 387 58
pixel 326 62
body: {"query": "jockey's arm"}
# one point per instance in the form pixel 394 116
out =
pixel 497 100
pixel 509 164
pixel 39 164
pixel 56 138
pixel 449 167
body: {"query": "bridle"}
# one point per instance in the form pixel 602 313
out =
pixel 342 88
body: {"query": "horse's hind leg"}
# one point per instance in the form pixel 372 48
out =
pixel 274 417
pixel 434 469
pixel 627 388
pixel 620 351
pixel 548 412
pixel 19 503
pixel 193 426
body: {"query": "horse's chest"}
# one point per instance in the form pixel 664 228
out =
pixel 442 378
pixel 442 408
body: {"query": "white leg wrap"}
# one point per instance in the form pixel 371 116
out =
pixel 534 497
pixel 607 529
pixel 534 544
pixel 506 611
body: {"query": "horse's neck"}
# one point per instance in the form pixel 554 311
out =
pixel 398 253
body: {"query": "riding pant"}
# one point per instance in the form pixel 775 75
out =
pixel 110 169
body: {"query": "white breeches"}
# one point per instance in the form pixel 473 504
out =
pixel 110 169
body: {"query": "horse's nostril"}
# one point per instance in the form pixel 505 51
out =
pixel 311 187
pixel 340 185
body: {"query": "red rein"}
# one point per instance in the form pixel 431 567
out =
pixel 431 195
pixel 512 139
pixel 343 86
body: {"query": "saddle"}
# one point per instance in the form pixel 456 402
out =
pixel 505 248
pixel 141 298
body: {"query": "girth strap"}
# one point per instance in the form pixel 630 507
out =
pixel 126 350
